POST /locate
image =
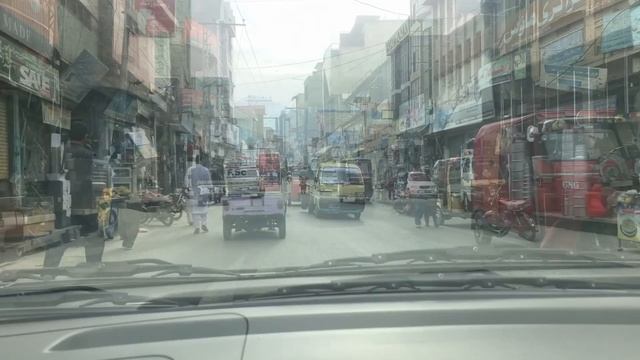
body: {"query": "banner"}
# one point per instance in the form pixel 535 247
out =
pixel 573 77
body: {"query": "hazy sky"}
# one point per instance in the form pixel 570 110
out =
pixel 293 31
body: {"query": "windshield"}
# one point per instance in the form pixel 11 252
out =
pixel 274 135
pixel 418 177
pixel 581 144
pixel 348 176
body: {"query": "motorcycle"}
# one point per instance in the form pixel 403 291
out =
pixel 511 215
pixel 179 203
pixel 156 206
pixel 403 204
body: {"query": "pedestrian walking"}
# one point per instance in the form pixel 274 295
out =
pixel 425 206
pixel 390 185
pixel 200 185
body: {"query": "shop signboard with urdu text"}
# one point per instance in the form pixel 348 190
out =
pixel 566 49
pixel 28 72
pixel 620 29
pixel 567 78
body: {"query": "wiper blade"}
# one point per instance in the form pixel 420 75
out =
pixel 491 254
pixel 114 269
pixel 487 281
pixel 67 294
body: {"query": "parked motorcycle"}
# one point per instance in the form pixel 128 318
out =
pixel 511 215
pixel 156 206
pixel 179 203
pixel 403 204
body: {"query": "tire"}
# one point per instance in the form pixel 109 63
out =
pixel 530 229
pixel 282 228
pixel 482 236
pixel 439 217
pixel 166 218
pixel 226 229
pixel 177 214
pixel 112 226
pixel 356 216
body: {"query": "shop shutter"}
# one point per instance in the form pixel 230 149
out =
pixel 4 140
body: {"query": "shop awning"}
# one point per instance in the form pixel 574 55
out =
pixel 143 145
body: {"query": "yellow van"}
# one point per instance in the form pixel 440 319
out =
pixel 337 188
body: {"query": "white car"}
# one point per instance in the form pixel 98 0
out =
pixel 419 184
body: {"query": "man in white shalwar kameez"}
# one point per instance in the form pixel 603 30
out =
pixel 198 178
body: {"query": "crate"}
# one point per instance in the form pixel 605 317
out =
pixel 16 225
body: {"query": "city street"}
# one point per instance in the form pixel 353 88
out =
pixel 309 240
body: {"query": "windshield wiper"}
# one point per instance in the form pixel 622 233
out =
pixel 465 256
pixel 115 269
pixel 88 295
pixel 458 282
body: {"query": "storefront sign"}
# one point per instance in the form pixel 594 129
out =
pixel 398 36
pixel 621 29
pixel 573 77
pixel 412 114
pixel 501 70
pixel 520 23
pixel 26 71
pixel 520 61
pixel 84 73
pixel 564 50
pixel 32 23
pixel 56 116
pixel 553 14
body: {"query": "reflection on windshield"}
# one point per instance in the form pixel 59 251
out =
pixel 212 132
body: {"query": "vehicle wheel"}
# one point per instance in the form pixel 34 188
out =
pixel 482 236
pixel 356 216
pixel 226 229
pixel 282 228
pixel 112 226
pixel 166 219
pixel 530 229
pixel 177 214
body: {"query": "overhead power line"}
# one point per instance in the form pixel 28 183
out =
pixel 302 62
pixel 326 68
pixel 379 8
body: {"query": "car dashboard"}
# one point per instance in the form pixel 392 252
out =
pixel 349 327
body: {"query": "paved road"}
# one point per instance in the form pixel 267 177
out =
pixel 309 240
